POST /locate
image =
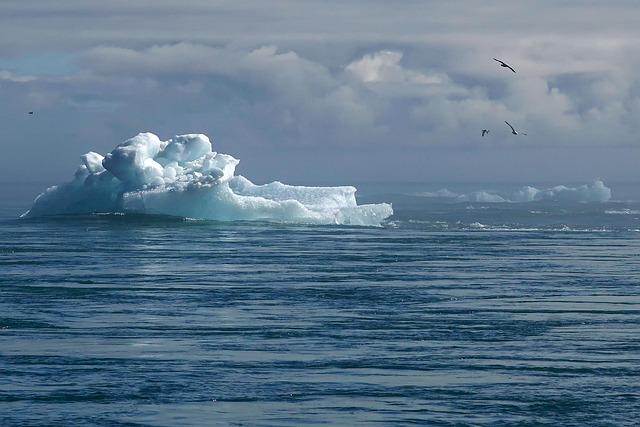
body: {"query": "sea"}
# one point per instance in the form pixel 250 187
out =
pixel 453 313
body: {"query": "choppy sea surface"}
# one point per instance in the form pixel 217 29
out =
pixel 452 313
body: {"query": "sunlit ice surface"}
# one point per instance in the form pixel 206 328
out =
pixel 183 177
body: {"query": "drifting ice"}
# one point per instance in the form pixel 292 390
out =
pixel 594 192
pixel 184 177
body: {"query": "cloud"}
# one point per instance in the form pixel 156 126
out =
pixel 277 91
pixel 384 66
pixel 37 24
pixel 284 96
pixel 15 78
pixel 280 97
pixel 292 75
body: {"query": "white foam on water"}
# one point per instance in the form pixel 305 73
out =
pixel 183 177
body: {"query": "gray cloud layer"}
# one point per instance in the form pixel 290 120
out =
pixel 364 91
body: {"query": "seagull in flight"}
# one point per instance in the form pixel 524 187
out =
pixel 513 131
pixel 484 132
pixel 504 64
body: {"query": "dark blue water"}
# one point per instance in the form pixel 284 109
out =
pixel 451 314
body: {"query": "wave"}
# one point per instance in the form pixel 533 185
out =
pixel 183 177
pixel 596 191
pixel 473 226
pixel 484 227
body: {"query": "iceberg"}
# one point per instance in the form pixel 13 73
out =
pixel 594 192
pixel 184 177
pixel 597 191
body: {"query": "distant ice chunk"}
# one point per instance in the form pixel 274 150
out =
pixel 625 211
pixel 594 192
pixel 184 177
pixel 483 197
pixel 597 191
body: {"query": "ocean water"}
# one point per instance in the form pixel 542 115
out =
pixel 453 313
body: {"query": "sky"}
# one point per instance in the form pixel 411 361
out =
pixel 328 91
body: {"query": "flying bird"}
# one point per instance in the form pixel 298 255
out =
pixel 484 132
pixel 31 112
pixel 504 64
pixel 513 131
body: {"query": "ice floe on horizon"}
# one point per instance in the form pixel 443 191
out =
pixel 596 191
pixel 184 177
pixel 625 211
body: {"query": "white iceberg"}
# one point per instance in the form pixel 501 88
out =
pixel 594 192
pixel 597 191
pixel 184 177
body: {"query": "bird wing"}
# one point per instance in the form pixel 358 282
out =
pixel 504 64
pixel 509 125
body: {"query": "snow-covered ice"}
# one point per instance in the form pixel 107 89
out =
pixel 184 177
